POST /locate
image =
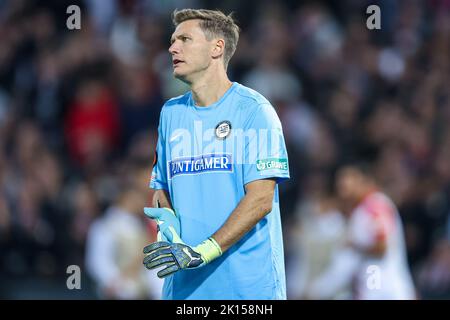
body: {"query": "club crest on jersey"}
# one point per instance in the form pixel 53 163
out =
pixel 223 129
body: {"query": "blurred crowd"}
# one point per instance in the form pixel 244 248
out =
pixel 79 111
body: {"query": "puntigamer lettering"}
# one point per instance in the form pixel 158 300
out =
pixel 200 164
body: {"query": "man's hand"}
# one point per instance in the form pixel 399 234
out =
pixel 177 256
pixel 166 219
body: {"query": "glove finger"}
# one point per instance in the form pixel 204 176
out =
pixel 159 253
pixel 171 211
pixel 155 246
pixel 165 260
pixel 172 235
pixel 153 213
pixel 168 270
pixel 168 234
pixel 159 213
pixel 159 236
pixel 175 236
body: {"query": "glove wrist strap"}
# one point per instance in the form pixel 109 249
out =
pixel 209 250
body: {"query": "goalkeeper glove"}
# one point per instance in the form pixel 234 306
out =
pixel 177 256
pixel 166 219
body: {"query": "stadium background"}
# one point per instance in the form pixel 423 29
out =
pixel 79 111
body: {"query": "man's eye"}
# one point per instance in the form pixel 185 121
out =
pixel 184 38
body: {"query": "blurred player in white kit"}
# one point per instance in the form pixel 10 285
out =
pixel 373 262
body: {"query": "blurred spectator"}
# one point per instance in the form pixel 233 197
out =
pixel 85 209
pixel 114 249
pixel 141 100
pixel 434 276
pixel 92 124
pixel 272 76
pixel 319 231
pixel 373 261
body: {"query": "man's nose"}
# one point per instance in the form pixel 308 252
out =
pixel 173 49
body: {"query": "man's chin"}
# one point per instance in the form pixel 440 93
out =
pixel 180 76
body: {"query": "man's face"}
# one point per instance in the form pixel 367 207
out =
pixel 191 52
pixel 349 183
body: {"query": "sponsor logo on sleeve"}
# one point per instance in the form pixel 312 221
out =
pixel 272 164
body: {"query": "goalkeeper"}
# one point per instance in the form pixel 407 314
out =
pixel 219 157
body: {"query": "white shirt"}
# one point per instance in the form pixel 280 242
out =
pixel 114 256
pixel 388 276
pixel 379 278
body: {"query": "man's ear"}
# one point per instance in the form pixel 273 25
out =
pixel 218 48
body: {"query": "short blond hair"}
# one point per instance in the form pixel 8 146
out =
pixel 214 23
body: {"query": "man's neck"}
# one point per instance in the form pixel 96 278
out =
pixel 210 88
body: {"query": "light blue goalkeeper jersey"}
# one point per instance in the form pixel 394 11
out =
pixel 205 157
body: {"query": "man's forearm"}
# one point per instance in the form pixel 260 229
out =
pixel 252 208
pixel 177 255
pixel 376 250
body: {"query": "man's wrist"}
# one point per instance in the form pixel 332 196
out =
pixel 209 250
